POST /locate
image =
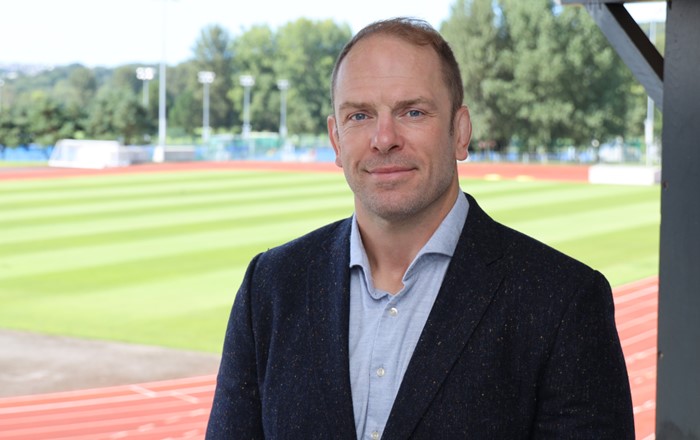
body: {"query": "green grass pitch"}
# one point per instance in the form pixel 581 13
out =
pixel 157 258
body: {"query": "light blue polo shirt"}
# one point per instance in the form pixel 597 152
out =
pixel 385 329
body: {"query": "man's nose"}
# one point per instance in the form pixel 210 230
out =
pixel 386 136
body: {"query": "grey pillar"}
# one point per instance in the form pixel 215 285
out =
pixel 678 382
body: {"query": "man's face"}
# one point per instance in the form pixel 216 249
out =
pixel 391 130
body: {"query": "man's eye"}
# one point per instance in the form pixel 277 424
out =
pixel 414 113
pixel 358 117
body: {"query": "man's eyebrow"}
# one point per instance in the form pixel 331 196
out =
pixel 415 101
pixel 349 105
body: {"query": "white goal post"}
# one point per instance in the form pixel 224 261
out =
pixel 93 154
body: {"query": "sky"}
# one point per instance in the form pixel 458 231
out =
pixel 116 32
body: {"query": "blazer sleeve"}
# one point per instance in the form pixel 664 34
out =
pixel 236 411
pixel 584 392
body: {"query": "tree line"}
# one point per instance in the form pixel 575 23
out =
pixel 540 75
pixel 535 75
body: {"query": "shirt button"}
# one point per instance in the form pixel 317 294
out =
pixel 393 311
pixel 380 372
pixel 375 435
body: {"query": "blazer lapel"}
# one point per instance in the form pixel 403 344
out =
pixel 329 290
pixel 468 288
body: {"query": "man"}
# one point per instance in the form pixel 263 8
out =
pixel 420 316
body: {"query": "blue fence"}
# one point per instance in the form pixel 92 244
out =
pixel 31 153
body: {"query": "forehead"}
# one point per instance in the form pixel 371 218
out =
pixel 387 42
pixel 390 62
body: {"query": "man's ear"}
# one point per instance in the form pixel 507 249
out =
pixel 335 141
pixel 462 132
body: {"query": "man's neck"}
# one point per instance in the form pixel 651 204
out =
pixel 391 246
pixel 390 254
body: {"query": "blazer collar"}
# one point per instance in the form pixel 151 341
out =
pixel 468 288
pixel 329 287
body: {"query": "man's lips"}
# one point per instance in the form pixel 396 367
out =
pixel 389 169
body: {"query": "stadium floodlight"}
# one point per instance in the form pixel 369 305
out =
pixel 283 85
pixel 205 77
pixel 145 74
pixel 159 150
pixel 247 81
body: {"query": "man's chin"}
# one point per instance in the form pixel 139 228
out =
pixel 393 207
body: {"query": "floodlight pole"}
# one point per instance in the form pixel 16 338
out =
pixel 283 85
pixel 649 121
pixel 206 78
pixel 2 83
pixel 247 81
pixel 159 151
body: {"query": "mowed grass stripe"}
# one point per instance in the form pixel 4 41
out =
pixel 532 196
pixel 105 250
pixel 130 207
pixel 87 193
pixel 56 237
pixel 112 183
pixel 555 227
pixel 119 230
pixel 148 263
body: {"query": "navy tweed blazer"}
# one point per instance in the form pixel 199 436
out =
pixel 521 344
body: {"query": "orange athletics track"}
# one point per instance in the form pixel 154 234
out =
pixel 571 173
pixel 179 409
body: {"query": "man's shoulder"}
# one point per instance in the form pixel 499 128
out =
pixel 313 243
pixel 532 258
pixel 534 272
pixel 528 253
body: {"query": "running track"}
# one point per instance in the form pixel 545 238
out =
pixel 178 409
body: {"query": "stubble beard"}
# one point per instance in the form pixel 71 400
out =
pixel 399 202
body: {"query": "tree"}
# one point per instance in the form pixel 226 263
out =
pixel 255 51
pixel 47 121
pixel 539 108
pixel 536 74
pixel 213 52
pixel 77 89
pixel 75 93
pixel 594 80
pixel 14 128
pixel 307 53
pixel 118 115
pixel 185 99
pixel 481 49
pixel 302 52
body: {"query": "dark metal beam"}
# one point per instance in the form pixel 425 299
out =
pixel 678 377
pixel 630 42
